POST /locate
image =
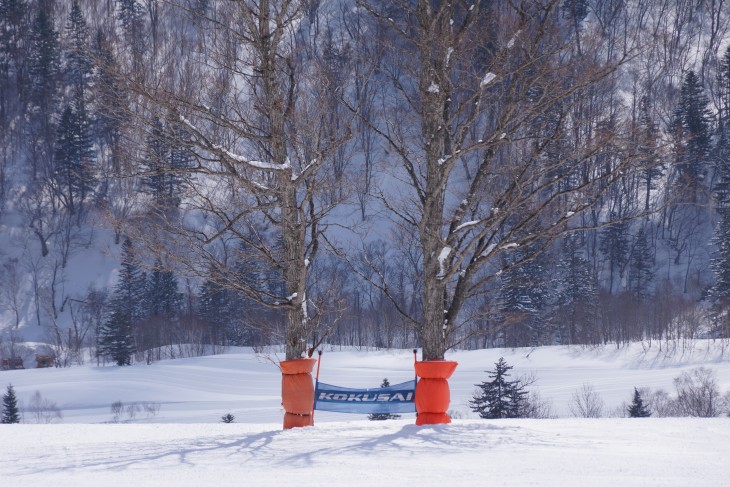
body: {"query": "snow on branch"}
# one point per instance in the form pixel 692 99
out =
pixel 264 166
pixel 488 78
pixel 511 42
pixel 467 225
pixel 490 248
pixel 449 52
pixel 305 170
pixel 443 256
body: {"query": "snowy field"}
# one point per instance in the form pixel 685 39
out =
pixel 183 442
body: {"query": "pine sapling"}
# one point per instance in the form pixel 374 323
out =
pixel 228 418
pixel 383 416
pixel 499 397
pixel 638 409
pixel 11 413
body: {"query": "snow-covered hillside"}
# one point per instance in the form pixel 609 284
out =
pixel 194 448
pixel 247 385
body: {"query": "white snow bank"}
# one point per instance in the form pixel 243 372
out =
pixel 627 452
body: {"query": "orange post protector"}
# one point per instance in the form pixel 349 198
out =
pixel 432 418
pixel 433 395
pixel 297 420
pixel 297 392
pixel 436 369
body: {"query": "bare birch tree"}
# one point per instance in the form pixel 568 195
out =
pixel 502 133
pixel 251 103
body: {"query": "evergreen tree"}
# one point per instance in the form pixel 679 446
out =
pixel 641 268
pixel 10 411
pixel 213 302
pixel 383 416
pixel 13 86
pixel 110 100
pixel 116 338
pixel 44 69
pixel 162 307
pixel 163 159
pixel 179 159
pixel 575 10
pixel 228 418
pixel 614 245
pixel 648 153
pixel 45 60
pixel 720 263
pixel 499 397
pixel 155 161
pixel 130 13
pixel 78 56
pixel 637 409
pixel 73 158
pixel 12 17
pixel 131 16
pixel 523 298
pixel 692 122
pixel 518 290
pixel 576 293
pixel 723 89
pixel 117 335
pixel 221 309
pixel 163 297
pixel 13 48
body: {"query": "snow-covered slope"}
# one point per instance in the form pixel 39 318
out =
pixel 247 384
pixel 193 448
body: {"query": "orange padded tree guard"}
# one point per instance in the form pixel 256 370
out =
pixel 297 392
pixel 432 391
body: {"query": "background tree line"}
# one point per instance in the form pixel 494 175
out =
pixel 530 173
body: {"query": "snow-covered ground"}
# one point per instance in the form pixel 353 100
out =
pixel 623 452
pixel 183 443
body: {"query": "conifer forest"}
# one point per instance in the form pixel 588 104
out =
pixel 177 175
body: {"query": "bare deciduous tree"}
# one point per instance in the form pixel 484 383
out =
pixel 43 410
pixel 536 407
pixel 698 393
pixel 495 143
pixel 586 403
pixel 661 404
pixel 258 113
pixel 10 290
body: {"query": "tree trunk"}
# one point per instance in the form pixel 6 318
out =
pixel 295 274
pixel 435 91
pixel 433 330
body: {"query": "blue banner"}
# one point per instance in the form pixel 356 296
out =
pixel 398 398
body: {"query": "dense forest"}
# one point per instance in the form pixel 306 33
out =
pixel 368 173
